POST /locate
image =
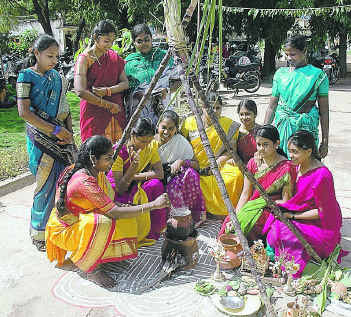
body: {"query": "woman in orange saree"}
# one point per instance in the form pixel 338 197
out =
pixel 86 221
pixel 99 80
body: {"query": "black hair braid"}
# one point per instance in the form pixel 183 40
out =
pixel 95 146
pixel 60 204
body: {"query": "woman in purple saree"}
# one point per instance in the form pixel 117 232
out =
pixel 314 209
pixel 177 157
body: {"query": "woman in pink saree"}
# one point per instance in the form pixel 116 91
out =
pixel 179 165
pixel 99 80
pixel 277 176
pixel 314 209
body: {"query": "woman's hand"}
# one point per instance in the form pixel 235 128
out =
pixel 176 166
pixel 161 202
pixel 99 91
pixel 323 150
pixel 64 136
pixel 113 107
pixel 135 159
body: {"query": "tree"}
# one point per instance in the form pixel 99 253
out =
pixel 337 26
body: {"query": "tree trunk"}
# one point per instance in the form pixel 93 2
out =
pixel 176 38
pixel 342 53
pixel 43 15
pixel 269 59
pixel 78 35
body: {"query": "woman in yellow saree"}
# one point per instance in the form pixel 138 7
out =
pixel 231 174
pixel 136 178
pixel 86 221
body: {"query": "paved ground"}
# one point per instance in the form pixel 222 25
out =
pixel 31 286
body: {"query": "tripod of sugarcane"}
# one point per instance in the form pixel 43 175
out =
pixel 176 35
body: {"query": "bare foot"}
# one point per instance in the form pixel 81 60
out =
pixel 67 265
pixel 101 279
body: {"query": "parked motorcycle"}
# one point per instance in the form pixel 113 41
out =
pixel 331 68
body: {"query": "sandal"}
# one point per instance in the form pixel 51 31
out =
pixel 40 245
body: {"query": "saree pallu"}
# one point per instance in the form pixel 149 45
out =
pixel 291 87
pixel 247 145
pixel 152 223
pixel 314 190
pixel 90 236
pixel 183 188
pixel 232 176
pixel 46 93
pixel 253 215
pixel 96 120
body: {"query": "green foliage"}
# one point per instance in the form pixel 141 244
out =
pixel 25 41
pixel 124 44
pixel 13 153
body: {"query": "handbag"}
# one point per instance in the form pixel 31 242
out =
pixel 66 154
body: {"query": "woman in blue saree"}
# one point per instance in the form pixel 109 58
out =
pixel 42 104
pixel 294 94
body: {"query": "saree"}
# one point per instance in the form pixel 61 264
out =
pixel 314 190
pixel 232 176
pixel 246 145
pixel 183 188
pixel 140 68
pixel 152 223
pixel 46 93
pixel 291 87
pixel 253 216
pixel 90 236
pixel 96 120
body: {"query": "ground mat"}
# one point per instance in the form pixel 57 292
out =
pixel 133 275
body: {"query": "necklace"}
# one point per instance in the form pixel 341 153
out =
pixel 95 56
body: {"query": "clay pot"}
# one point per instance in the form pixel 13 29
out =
pixel 180 224
pixel 232 247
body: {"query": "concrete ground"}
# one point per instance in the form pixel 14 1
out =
pixel 31 286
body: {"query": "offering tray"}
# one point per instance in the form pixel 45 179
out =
pixel 252 304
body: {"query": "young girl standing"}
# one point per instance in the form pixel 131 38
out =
pixel 42 104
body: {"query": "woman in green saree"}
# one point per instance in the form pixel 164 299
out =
pixel 140 68
pixel 294 94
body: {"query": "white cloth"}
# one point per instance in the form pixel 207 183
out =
pixel 177 148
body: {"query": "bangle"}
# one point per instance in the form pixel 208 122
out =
pixel 142 209
pixel 108 92
pixel 293 217
pixel 57 130
pixel 146 178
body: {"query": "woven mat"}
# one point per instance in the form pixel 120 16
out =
pixel 132 275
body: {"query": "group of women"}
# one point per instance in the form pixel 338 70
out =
pixel 106 209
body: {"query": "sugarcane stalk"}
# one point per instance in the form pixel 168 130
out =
pixel 135 116
pixel 176 36
pixel 270 203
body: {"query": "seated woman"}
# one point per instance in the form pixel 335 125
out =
pixel 277 176
pixel 231 174
pixel 134 186
pixel 313 209
pixel 140 68
pixel 177 157
pixel 247 111
pixel 86 221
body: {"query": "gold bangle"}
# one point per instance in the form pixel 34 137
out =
pixel 142 209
